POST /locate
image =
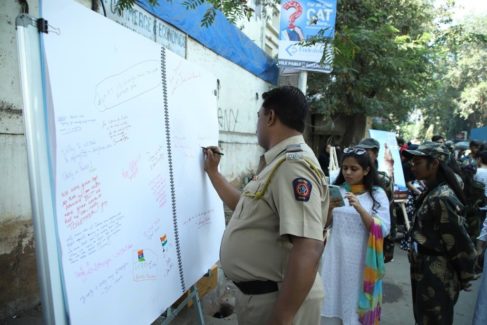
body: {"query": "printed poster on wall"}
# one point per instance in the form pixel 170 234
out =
pixel 301 20
pixel 389 147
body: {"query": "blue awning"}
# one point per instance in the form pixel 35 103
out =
pixel 479 134
pixel 222 37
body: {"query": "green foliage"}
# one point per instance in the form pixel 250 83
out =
pixel 458 99
pixel 381 62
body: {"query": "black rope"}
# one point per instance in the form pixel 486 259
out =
pixel 103 7
pixel 24 6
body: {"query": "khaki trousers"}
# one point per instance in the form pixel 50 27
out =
pixel 257 309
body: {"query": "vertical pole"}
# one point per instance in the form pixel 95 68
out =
pixel 303 81
pixel 308 130
pixel 197 305
pixel 43 216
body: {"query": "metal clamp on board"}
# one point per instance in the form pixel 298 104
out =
pixel 42 25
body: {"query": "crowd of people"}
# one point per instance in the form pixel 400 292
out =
pixel 447 196
pixel 299 255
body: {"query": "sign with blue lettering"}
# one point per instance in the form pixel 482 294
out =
pixel 300 20
pixel 144 23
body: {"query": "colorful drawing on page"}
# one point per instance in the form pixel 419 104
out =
pixel 140 255
pixel 148 269
pixel 164 242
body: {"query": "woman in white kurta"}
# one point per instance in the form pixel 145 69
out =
pixel 344 255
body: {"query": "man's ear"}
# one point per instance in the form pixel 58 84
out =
pixel 271 117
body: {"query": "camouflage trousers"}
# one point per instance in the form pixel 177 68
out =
pixel 435 289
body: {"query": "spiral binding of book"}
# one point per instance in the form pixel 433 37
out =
pixel 171 172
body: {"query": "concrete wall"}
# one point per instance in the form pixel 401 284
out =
pixel 18 277
pixel 238 103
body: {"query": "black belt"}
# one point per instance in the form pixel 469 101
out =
pixel 257 287
pixel 427 251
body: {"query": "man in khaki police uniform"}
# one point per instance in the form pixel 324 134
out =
pixel 272 246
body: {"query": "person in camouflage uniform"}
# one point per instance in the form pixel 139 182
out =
pixel 474 193
pixel 442 256
pixel 372 146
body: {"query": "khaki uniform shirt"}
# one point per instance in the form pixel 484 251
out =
pixel 255 245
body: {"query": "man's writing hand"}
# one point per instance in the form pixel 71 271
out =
pixel 212 159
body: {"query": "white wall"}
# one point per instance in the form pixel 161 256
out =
pixel 262 27
pixel 239 99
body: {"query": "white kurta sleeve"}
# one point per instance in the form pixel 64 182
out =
pixel 383 212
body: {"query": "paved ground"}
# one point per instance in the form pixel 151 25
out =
pixel 397 307
pixel 396 310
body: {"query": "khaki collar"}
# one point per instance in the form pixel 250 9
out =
pixel 279 148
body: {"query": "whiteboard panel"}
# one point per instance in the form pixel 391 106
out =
pixel 121 166
pixel 188 88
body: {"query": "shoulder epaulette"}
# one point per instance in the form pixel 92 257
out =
pixel 294 152
pixel 294 148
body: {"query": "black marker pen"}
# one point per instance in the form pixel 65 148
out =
pixel 213 150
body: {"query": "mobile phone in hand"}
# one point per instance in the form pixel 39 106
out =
pixel 336 194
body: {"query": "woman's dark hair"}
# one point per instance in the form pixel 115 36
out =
pixel 370 180
pixel 289 105
pixel 446 174
pixel 454 166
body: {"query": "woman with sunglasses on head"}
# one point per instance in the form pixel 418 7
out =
pixel 353 263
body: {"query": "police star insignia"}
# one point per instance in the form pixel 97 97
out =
pixel 302 189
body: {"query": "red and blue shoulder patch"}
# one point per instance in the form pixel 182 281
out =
pixel 302 189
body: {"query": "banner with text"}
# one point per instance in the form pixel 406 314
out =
pixel 301 20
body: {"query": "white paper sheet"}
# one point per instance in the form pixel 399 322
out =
pixel 112 168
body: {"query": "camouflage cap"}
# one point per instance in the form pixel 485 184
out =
pixel 429 149
pixel 369 143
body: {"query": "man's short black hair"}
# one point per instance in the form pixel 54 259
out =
pixel 437 137
pixel 475 143
pixel 289 104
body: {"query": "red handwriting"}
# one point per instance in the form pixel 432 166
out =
pixel 81 202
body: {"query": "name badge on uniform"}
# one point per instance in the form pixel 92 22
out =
pixel 302 189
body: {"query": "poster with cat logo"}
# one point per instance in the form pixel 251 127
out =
pixel 300 21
